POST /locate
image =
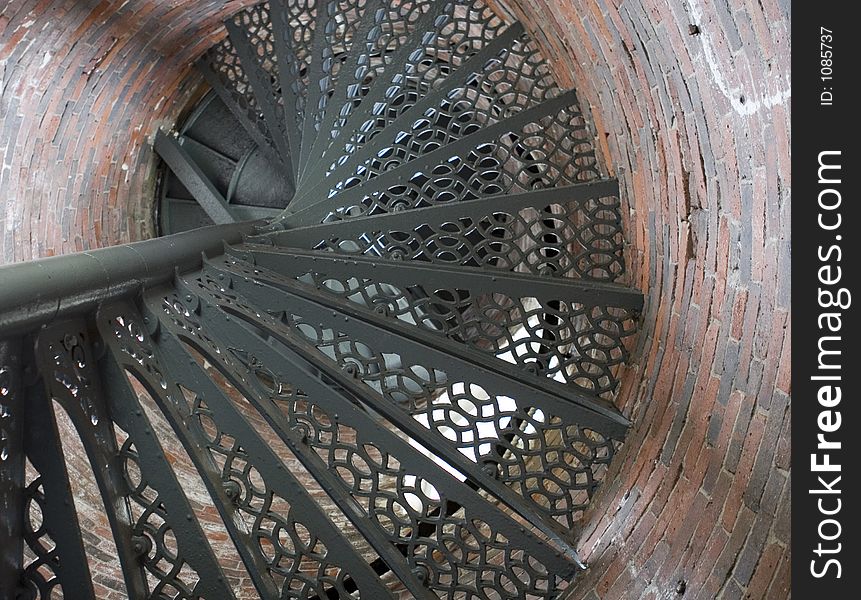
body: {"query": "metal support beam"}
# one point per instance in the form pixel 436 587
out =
pixel 563 232
pixel 64 356
pixel 296 214
pixel 188 209
pixel 344 396
pixel 489 372
pixel 332 89
pixel 294 262
pixel 194 179
pixel 60 559
pixel 357 63
pixel 12 411
pixel 310 236
pixel 292 434
pixel 261 85
pixel 180 366
pixel 325 9
pixel 133 350
pixel 341 397
pixel 317 189
pixel 169 514
pixel 283 40
pixel 237 102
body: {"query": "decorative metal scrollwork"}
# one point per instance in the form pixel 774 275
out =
pixel 400 385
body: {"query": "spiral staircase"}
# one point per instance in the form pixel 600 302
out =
pixel 385 323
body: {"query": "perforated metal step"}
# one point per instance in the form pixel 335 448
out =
pixel 399 381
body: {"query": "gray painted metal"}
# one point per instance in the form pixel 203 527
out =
pixel 37 293
pixel 308 236
pixel 290 434
pixel 315 212
pixel 50 497
pixel 222 70
pixel 212 202
pixel 341 396
pixel 12 411
pixel 142 452
pixel 65 357
pixel 378 93
pixel 602 416
pixel 298 262
pixel 378 42
pixel 402 383
pixel 260 83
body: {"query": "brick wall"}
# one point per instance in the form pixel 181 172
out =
pixel 83 86
pixel 693 120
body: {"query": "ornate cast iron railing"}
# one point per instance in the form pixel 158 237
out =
pixel 398 384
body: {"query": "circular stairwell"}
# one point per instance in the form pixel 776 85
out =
pixel 398 381
pixel 689 109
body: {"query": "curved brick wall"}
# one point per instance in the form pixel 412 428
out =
pixel 694 122
pixel 85 84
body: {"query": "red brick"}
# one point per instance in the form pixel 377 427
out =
pixel 697 302
pixel 765 571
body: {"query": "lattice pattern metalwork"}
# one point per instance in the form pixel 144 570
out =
pixel 405 492
pixel 284 540
pixel 401 385
pixel 295 24
pixel 227 76
pixel 577 343
pixel 256 22
pixel 559 232
pixel 540 148
pixel 479 421
pixel 382 34
pixel 338 26
pixel 465 32
pixel 253 29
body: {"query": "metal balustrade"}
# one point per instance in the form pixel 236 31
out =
pixel 430 323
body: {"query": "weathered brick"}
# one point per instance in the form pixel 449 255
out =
pixel 717 307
